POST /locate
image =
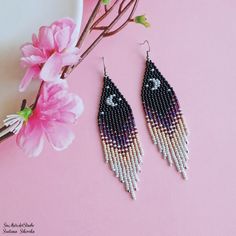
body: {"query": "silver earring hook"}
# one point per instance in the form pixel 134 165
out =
pixel 149 48
pixel 104 66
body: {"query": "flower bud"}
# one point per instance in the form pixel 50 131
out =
pixel 142 20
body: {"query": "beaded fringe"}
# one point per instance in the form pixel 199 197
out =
pixel 164 118
pixel 119 137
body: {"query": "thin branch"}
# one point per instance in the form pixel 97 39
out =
pixel 23 104
pixel 101 36
pixel 100 28
pixel 125 23
pixel 37 97
pixel 104 15
pixel 89 24
pixel 8 135
pixel 105 7
pixel 67 69
pixel 121 6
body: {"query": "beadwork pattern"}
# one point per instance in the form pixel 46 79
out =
pixel 119 136
pixel 164 118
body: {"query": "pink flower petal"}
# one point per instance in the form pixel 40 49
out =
pixel 46 39
pixel 29 50
pixel 74 32
pixel 79 108
pixel 35 40
pixel 54 88
pixel 75 105
pixel 70 58
pixel 74 38
pixel 30 138
pixel 52 68
pixel 58 135
pixel 31 61
pixel 65 117
pixel 63 22
pixel 62 38
pixel 30 73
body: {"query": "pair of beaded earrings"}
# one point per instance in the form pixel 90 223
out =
pixel 119 134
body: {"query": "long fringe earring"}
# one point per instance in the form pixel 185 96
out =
pixel 119 135
pixel 164 117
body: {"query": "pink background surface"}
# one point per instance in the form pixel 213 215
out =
pixel 74 193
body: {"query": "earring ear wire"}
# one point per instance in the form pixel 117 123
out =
pixel 104 66
pixel 149 48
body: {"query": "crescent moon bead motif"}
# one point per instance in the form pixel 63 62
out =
pixel 156 83
pixel 164 118
pixel 119 136
pixel 110 102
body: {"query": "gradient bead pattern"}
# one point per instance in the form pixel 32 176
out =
pixel 119 136
pixel 164 118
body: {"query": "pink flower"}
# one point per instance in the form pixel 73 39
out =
pixel 55 111
pixel 54 48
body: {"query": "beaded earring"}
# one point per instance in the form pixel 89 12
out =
pixel 164 117
pixel 119 135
